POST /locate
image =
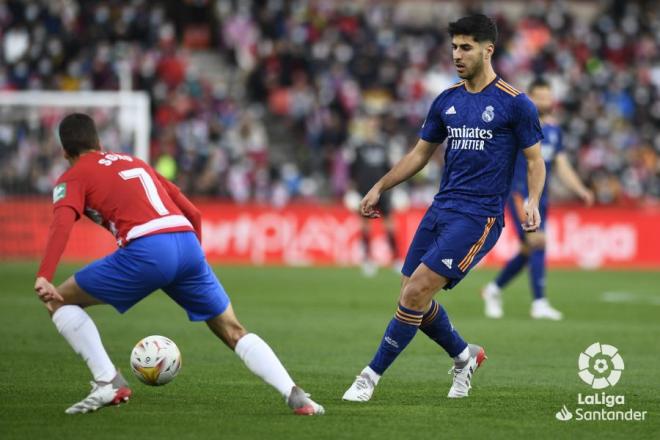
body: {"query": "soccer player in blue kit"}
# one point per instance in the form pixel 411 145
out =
pixel 532 250
pixel 486 123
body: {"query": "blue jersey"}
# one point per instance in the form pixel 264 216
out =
pixel 485 133
pixel 550 147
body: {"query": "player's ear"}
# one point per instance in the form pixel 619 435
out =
pixel 489 49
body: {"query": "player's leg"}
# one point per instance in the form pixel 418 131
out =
pixel 78 329
pixel 429 272
pixel 76 326
pixel 261 360
pixel 363 387
pixel 121 279
pixel 413 300
pixel 369 268
pixel 541 308
pixel 469 238
pixel 199 292
pixel 492 292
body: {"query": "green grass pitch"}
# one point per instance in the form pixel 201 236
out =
pixel 325 325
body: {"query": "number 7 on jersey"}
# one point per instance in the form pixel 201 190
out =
pixel 149 187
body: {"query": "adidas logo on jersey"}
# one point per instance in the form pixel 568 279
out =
pixel 448 262
pixel 451 111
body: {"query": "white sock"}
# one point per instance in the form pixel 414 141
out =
pixel 540 302
pixel 492 289
pixel 262 361
pixel 80 332
pixel 375 377
pixel 463 356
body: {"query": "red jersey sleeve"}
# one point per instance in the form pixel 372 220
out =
pixel 58 236
pixel 189 210
pixel 70 192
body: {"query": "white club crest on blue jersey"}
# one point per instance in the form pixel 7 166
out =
pixel 488 114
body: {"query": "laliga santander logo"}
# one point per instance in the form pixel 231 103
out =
pixel 600 365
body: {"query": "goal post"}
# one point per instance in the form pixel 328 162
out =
pixel 133 119
pixel 31 160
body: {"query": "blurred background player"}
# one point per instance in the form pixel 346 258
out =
pixel 159 232
pixel 532 244
pixel 486 122
pixel 370 163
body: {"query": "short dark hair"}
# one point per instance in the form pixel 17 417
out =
pixel 78 134
pixel 537 83
pixel 479 27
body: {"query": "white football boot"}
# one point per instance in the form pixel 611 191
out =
pixel 361 390
pixel 463 372
pixel 302 405
pixel 541 309
pixel 492 296
pixel 103 394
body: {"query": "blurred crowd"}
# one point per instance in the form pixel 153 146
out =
pixel 304 83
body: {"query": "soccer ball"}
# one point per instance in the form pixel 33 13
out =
pixel 155 360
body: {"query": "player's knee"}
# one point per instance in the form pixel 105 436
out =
pixel 416 294
pixel 536 241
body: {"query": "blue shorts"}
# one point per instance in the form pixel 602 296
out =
pixel 515 203
pixel 173 262
pixel 451 243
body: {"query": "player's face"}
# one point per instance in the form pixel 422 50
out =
pixel 469 55
pixel 542 98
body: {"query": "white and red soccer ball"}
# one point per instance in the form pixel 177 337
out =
pixel 156 360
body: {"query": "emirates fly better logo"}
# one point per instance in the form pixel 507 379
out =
pixel 600 366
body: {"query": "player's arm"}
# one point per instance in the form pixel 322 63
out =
pixel 189 210
pixel 569 177
pixel 58 236
pixel 403 170
pixel 535 182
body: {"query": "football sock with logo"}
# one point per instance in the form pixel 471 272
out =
pixel 436 325
pixel 537 273
pixel 75 325
pixel 260 359
pixel 399 333
pixel 512 268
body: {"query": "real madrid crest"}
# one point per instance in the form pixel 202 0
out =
pixel 488 114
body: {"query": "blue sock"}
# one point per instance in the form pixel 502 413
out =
pixel 512 268
pixel 537 273
pixel 437 326
pixel 399 333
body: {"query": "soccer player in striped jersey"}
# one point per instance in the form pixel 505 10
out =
pixel 159 232
pixel 486 122
pixel 532 249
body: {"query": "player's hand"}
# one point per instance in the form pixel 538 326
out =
pixel 588 197
pixel 533 217
pixel 368 204
pixel 46 291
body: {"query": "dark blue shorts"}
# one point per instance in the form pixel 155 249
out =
pixel 173 262
pixel 516 203
pixel 451 243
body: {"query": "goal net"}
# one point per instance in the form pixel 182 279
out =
pixel 31 158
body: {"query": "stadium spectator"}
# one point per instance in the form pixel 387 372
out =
pixel 314 67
